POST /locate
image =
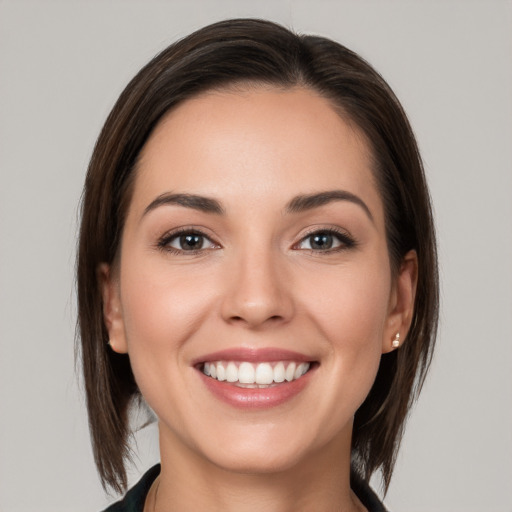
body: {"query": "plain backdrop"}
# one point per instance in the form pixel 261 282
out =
pixel 63 64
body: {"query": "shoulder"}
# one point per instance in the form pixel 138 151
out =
pixel 135 498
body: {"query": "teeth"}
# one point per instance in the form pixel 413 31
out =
pixel 246 373
pixel 279 372
pixel 221 372
pixel 231 372
pixel 299 371
pixel 290 372
pixel 262 374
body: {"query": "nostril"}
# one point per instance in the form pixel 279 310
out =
pixel 252 320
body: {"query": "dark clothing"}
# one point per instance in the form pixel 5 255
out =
pixel 136 496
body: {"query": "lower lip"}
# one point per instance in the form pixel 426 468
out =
pixel 256 398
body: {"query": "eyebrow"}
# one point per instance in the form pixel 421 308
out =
pixel 297 205
pixel 310 201
pixel 201 203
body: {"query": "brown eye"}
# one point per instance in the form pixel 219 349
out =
pixel 321 241
pixel 187 241
pixel 191 242
pixel 325 241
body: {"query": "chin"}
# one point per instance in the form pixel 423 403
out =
pixel 268 450
pixel 257 461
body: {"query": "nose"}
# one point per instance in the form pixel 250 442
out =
pixel 258 291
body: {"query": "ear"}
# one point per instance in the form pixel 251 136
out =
pixel 112 311
pixel 401 303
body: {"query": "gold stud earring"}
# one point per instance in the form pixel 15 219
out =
pixel 396 341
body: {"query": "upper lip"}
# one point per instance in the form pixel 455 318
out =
pixel 253 355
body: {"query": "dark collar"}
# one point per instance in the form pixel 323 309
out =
pixel 136 496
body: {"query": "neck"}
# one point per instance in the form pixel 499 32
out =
pixel 189 482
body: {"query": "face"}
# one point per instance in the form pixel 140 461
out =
pixel 253 292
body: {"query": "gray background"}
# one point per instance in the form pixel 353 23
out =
pixel 62 65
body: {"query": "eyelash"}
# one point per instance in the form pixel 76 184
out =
pixel 345 241
pixel 164 242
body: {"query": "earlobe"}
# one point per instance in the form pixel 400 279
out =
pixel 401 304
pixel 112 312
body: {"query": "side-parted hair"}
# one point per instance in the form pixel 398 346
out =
pixel 244 52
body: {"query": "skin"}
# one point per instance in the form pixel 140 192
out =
pixel 256 283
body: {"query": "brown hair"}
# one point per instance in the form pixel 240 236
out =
pixel 255 51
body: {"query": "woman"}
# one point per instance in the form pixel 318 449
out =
pixel 257 261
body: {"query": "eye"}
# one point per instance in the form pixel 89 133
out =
pixel 186 241
pixel 325 241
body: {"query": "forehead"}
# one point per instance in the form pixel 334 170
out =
pixel 257 142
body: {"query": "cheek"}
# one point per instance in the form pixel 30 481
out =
pixel 351 306
pixel 351 313
pixel 161 310
pixel 157 302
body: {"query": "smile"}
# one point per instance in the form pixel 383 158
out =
pixel 256 379
pixel 255 375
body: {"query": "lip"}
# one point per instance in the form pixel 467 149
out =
pixel 255 398
pixel 252 355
